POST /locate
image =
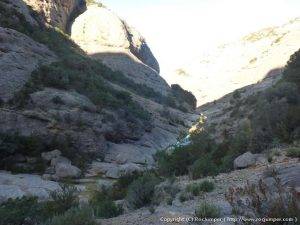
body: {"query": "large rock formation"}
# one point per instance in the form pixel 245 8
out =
pixel 19 56
pixel 17 186
pixel 240 63
pixel 103 35
pixel 57 13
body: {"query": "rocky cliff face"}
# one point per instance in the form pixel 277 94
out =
pixel 240 63
pixel 20 55
pixel 58 13
pixel 103 35
pixel 55 94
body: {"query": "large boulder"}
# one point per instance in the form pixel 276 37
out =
pixel 19 185
pixel 19 56
pixel 244 161
pixel 64 170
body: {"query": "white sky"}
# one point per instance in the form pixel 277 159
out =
pixel 179 30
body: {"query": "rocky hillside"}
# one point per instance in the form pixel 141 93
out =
pixel 240 63
pixel 76 78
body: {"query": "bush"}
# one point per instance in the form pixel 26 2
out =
pixel 203 167
pixel 206 186
pixel 198 188
pixel 119 189
pixel 74 216
pixel 185 196
pixel 206 210
pixel 17 211
pixel 61 201
pixel 293 152
pixel 141 191
pixel 103 205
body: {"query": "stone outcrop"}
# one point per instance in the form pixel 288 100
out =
pixel 50 97
pixel 15 186
pixel 19 56
pixel 244 161
pixel 57 13
pixel 103 35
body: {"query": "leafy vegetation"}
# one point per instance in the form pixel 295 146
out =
pixel 15 212
pixel 103 205
pixel 207 210
pixel 293 152
pixel 76 71
pixel 12 144
pixel 74 216
pixel 141 191
pixel 61 201
pixel 198 188
pixel 274 120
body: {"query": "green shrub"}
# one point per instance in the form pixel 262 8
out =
pixel 206 186
pixel 61 201
pixel 119 189
pixel 141 191
pixel 236 94
pixel 203 167
pixel 103 205
pixel 185 196
pixel 74 216
pixel 198 188
pixel 206 210
pixel 293 152
pixel 17 211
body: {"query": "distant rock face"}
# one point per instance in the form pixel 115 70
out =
pixel 103 35
pixel 58 13
pixel 19 56
pixel 240 63
pixel 99 30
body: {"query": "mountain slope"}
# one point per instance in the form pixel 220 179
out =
pixel 71 101
pixel 237 64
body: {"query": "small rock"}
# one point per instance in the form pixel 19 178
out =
pixel 244 161
pixel 60 159
pixel 63 170
pixel 48 156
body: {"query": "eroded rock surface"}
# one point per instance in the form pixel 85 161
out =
pixel 19 56
pixel 103 35
pixel 19 185
pixel 57 13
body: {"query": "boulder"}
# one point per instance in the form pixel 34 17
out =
pixel 14 186
pixel 64 170
pixel 48 156
pixel 244 161
pixel 60 159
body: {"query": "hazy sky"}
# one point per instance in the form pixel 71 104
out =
pixel 179 30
